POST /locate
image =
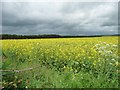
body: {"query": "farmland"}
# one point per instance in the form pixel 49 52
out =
pixel 60 63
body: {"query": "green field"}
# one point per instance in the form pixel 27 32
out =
pixel 60 63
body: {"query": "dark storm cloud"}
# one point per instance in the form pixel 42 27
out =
pixel 113 21
pixel 59 18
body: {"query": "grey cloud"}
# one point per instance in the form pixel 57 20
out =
pixel 59 18
pixel 109 24
pixel 119 13
pixel 112 21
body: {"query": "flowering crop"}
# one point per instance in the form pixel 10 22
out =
pixel 79 57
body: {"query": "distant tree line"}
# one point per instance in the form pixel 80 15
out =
pixel 14 36
pixel 9 36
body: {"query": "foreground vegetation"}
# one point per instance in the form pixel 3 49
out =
pixel 60 63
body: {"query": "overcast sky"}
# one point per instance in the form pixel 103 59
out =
pixel 64 18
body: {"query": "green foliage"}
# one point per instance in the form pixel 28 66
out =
pixel 62 63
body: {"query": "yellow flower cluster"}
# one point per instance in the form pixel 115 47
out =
pixel 86 51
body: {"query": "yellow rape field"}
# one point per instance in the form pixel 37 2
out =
pixel 61 63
